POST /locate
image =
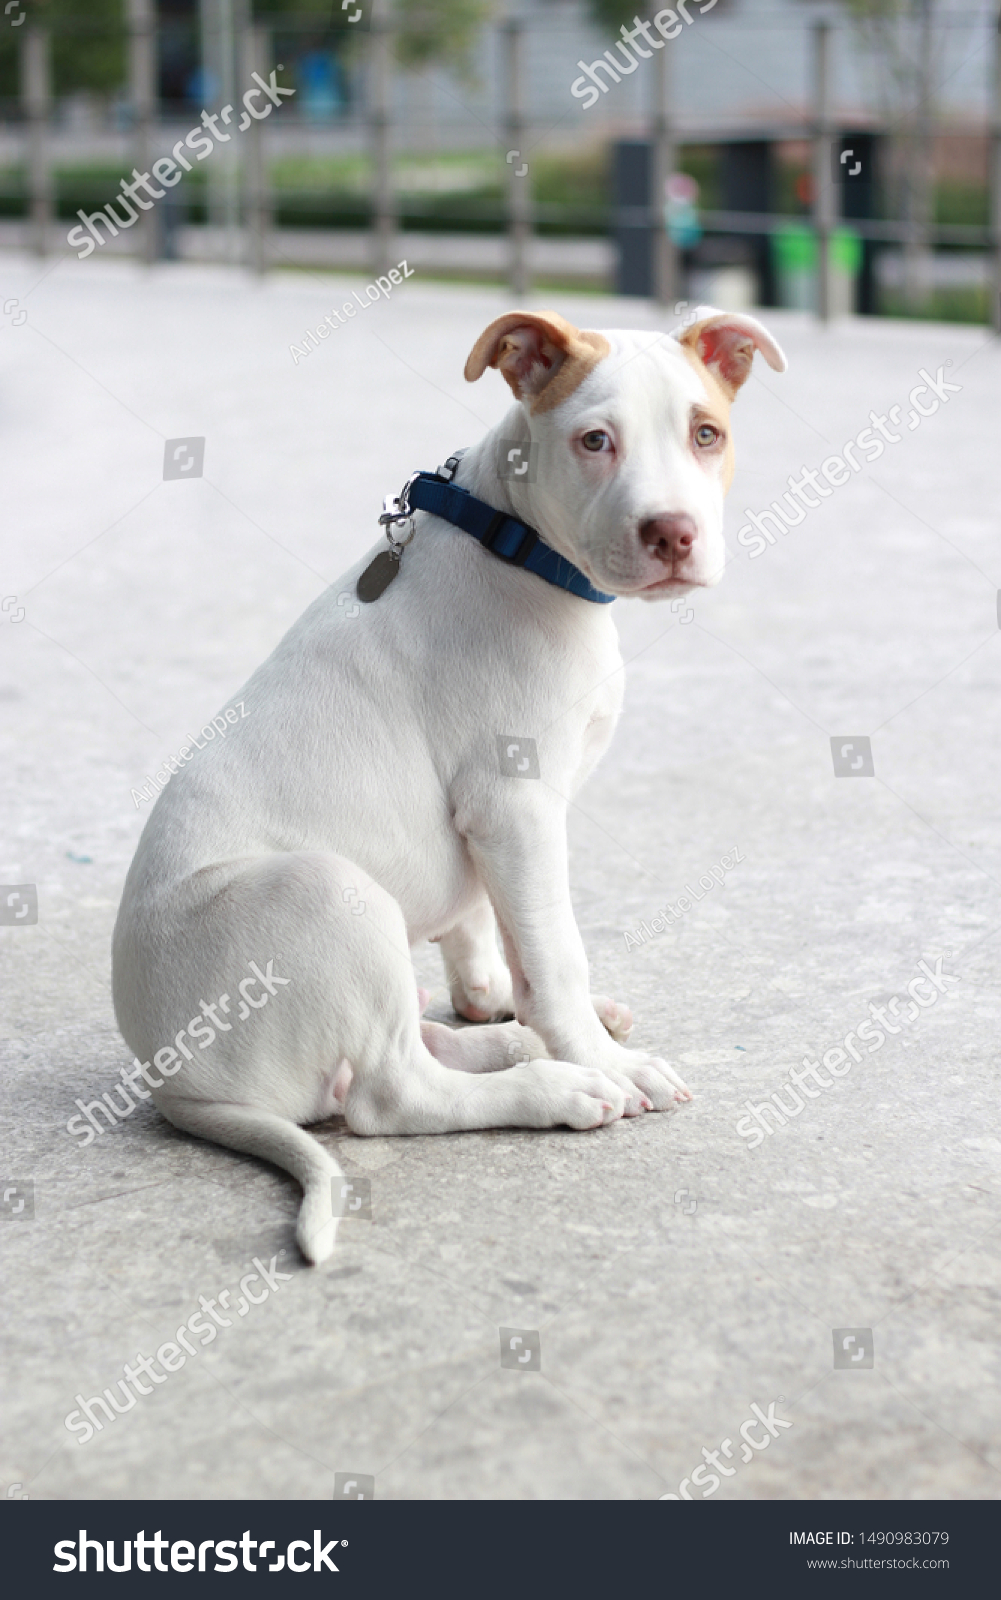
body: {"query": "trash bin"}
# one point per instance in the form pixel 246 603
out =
pixel 795 257
pixel 632 177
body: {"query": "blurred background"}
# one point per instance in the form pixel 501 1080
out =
pixel 835 158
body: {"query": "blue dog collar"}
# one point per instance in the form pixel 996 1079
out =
pixel 501 534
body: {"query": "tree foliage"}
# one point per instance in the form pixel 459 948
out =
pixel 88 44
pixel 89 37
pixel 610 15
pixel 439 31
pixel 427 31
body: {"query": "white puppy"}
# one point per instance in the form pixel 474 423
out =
pixel 364 803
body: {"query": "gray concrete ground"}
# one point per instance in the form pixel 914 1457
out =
pixel 676 1275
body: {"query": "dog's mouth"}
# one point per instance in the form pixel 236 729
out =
pixel 664 586
pixel 658 587
pixel 670 584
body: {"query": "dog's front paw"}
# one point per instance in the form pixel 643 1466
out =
pixel 650 1083
pixel 616 1019
pixel 482 994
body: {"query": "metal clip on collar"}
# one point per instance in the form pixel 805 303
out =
pixel 395 512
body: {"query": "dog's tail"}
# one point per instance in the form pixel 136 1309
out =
pixel 261 1133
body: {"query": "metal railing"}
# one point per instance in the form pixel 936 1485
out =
pixel 252 204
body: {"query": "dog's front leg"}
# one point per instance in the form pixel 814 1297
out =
pixel 520 850
pixel 480 984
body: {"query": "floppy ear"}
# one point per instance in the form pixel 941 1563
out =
pixel 540 355
pixel 725 343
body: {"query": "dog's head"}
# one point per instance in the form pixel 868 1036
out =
pixel 633 435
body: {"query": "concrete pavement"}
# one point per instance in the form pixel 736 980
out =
pixel 678 1272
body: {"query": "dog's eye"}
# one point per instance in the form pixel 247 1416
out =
pixel 595 440
pixel 706 435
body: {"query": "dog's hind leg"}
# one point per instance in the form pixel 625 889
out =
pixel 486 1049
pixel 491 1049
pixel 275 1139
pixel 399 1085
pixel 348 1022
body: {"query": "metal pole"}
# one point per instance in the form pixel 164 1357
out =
pixel 142 93
pixel 825 195
pixel 995 178
pixel 919 187
pixel 209 38
pixel 222 177
pixel 664 153
pixel 383 210
pixel 519 192
pixel 256 54
pixel 36 97
pixel 227 156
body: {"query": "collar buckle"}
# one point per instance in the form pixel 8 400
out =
pixel 526 545
pixel 448 468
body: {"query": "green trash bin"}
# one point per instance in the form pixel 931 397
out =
pixel 795 256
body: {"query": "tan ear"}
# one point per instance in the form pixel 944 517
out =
pixel 540 355
pixel 725 343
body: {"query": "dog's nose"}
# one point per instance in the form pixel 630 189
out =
pixel 669 538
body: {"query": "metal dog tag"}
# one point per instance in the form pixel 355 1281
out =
pixel 378 575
